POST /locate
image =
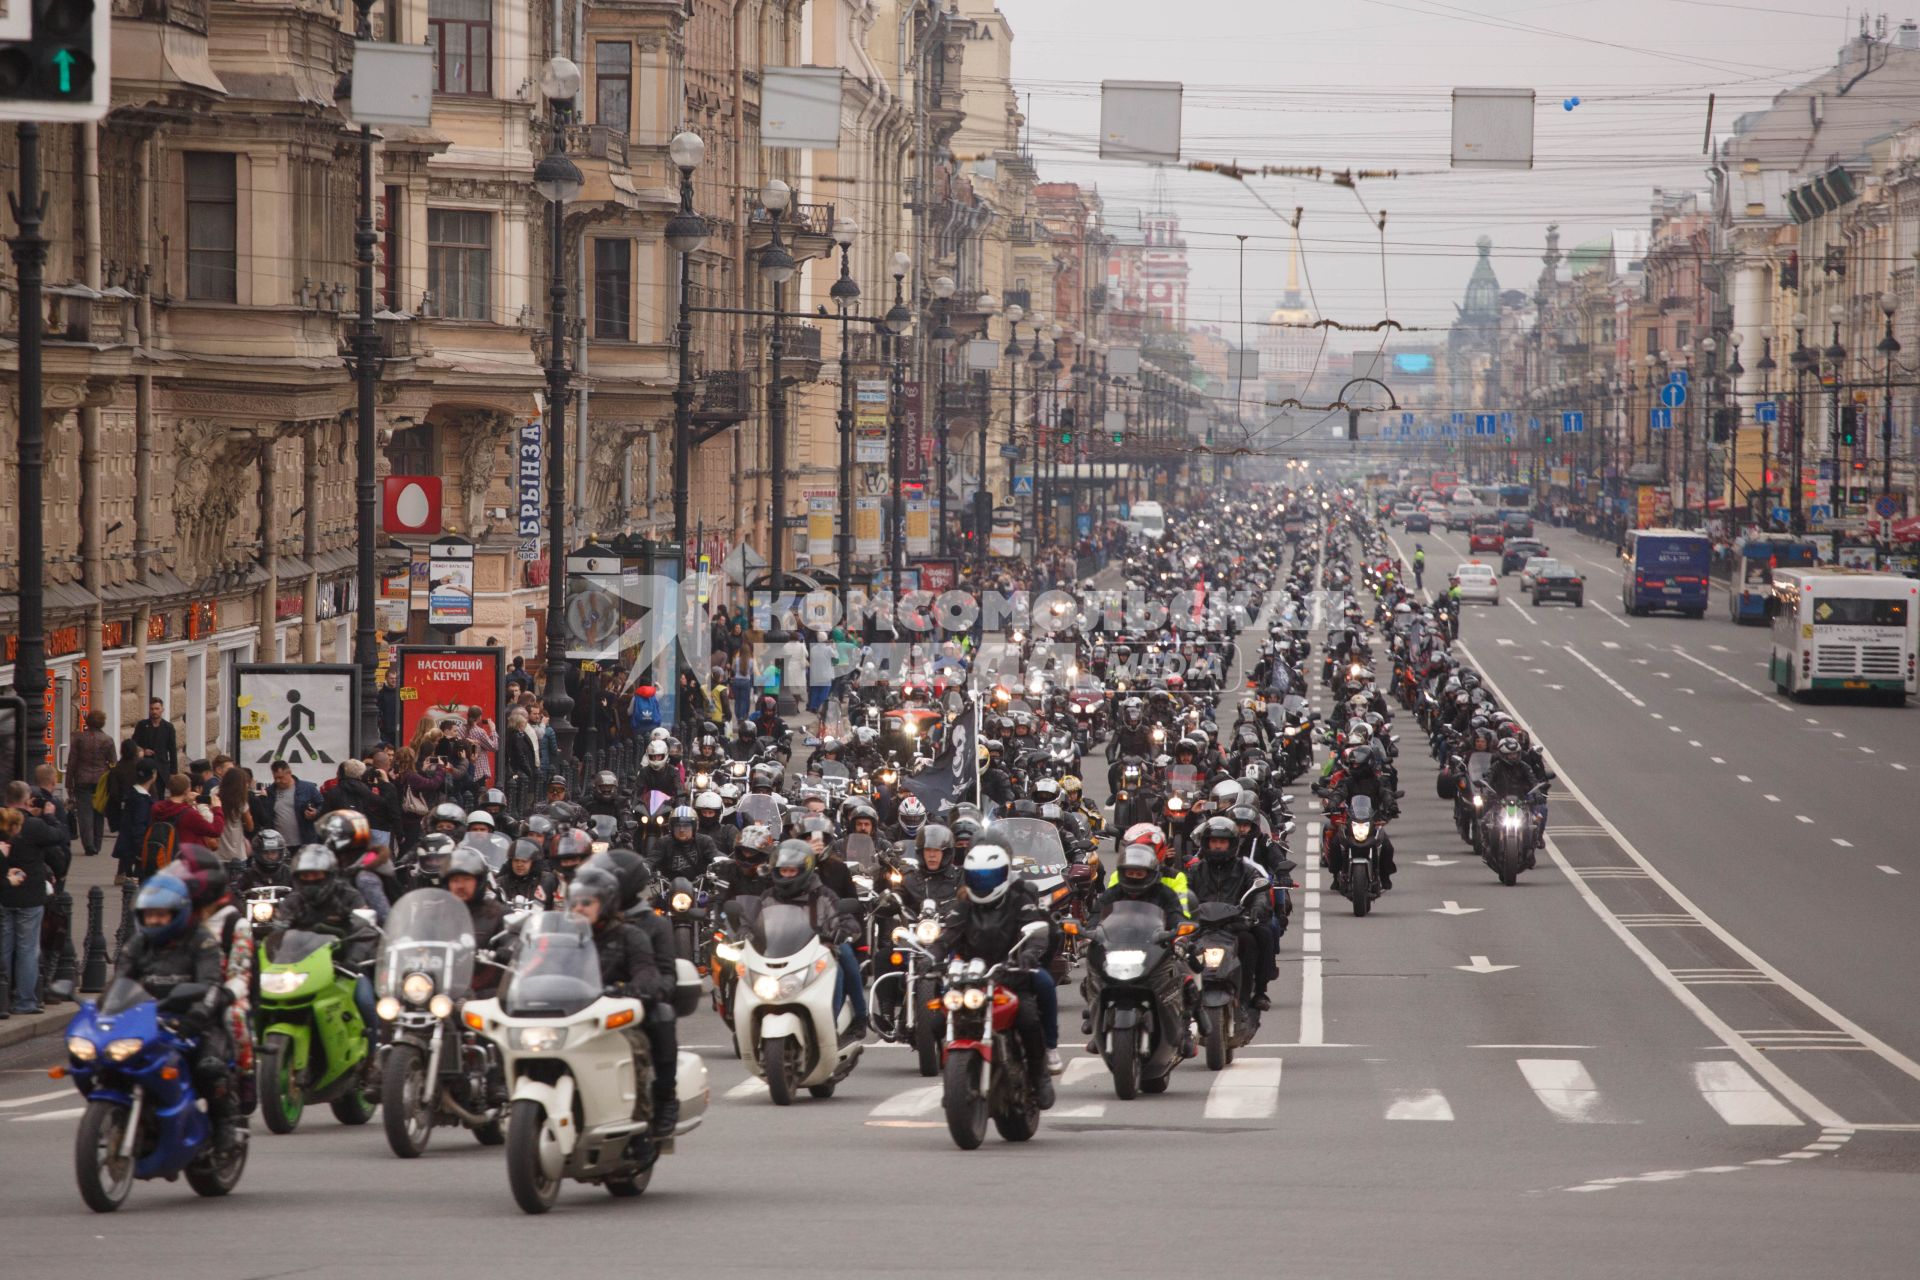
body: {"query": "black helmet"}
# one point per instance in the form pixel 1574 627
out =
pixel 573 848
pixel 466 861
pixel 449 813
pixel 1219 828
pixel 345 831
pixel 937 838
pixel 966 830
pixel 792 862
pixel 525 851
pixel 1137 868
pixel 269 848
pixel 862 810
pixel 1245 818
pixel 628 868
pixel 315 860
pixel 747 731
pixel 597 886
pixel 539 827
pixel 434 853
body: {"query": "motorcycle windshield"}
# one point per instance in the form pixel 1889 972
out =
pixel 1360 809
pixel 656 802
pixel 121 995
pixel 291 946
pixel 1216 913
pixel 834 769
pixel 1132 925
pixel 861 852
pixel 1479 763
pixel 782 929
pixel 428 931
pixel 491 846
pixel 1035 839
pixel 758 808
pixel 1183 779
pixel 556 971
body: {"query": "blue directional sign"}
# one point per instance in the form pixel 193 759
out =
pixel 1506 419
pixel 1533 424
pixel 1678 378
pixel 1406 419
pixel 1484 424
pixel 1459 420
pixel 1819 513
pixel 1782 514
pixel 1673 395
pixel 1766 411
pixel 1660 419
pixel 1573 423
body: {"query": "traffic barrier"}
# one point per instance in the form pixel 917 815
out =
pixel 93 971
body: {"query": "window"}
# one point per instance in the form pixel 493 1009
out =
pixel 612 288
pixel 387 248
pixel 410 451
pixel 212 226
pixel 1682 333
pixel 1653 341
pixel 613 84
pixel 459 246
pixel 462 35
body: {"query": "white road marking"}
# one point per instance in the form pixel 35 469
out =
pixel 1868 751
pixel 1610 644
pixel 1801 817
pixel 1480 964
pixel 28 1101
pixel 1844 844
pixel 1658 716
pixel 65 1113
pixel 752 1086
pixel 1313 1030
pixel 1313 921
pixel 1743 777
pixel 1838 734
pixel 1902 768
pixel 1889 870
pixel 1771 798
pixel 1618 688
pixel 1449 907
pixel 1421 1104
pixel 1717 759
pixel 1730 1089
pixel 1563 1087
pixel 1718 648
pixel 1611 614
pixel 1247 1090
pixel 1732 680
pixel 1693 742
pixel 1811 720
pixel 1531 620
pixel 1092 1111
pixel 912 1102
pixel 1082 1068
pixel 1503 641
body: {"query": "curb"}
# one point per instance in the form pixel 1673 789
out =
pixel 12 1034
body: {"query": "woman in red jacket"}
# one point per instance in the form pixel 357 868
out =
pixel 192 823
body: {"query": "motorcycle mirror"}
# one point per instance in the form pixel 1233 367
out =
pixel 366 914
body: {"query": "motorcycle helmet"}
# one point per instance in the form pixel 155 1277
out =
pixel 269 849
pixel 863 812
pixel 606 784
pixel 314 865
pixel 1145 833
pixel 792 861
pixel 628 869
pixel 965 830
pixel 204 874
pixel 1070 789
pixel 527 851
pixel 433 854
pixel 1137 868
pixel 480 820
pixel 1245 819
pixel 1219 839
pixel 987 870
pixel 1509 749
pixel 540 828
pixel 345 832
pixel 912 815
pixel 170 904
pixel 1023 809
pixel 1046 791
pixel 466 861
pixel 764 778
pixel 707 806
pixel 683 823
pixel 656 755
pixel 594 895
pixel 747 733
pixel 1359 735
pixel 448 817
pixel 1355 756
pixel 556 787
pixel 753 848
pixel 933 837
pixel 1226 793
pixel 572 849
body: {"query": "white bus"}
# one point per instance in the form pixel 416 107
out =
pixel 1846 631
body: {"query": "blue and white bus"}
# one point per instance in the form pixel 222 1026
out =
pixel 1753 573
pixel 1845 632
pixel 1665 569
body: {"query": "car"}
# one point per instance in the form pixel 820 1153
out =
pixel 1519 524
pixel 1530 571
pixel 1518 551
pixel 1486 536
pixel 1477 582
pixel 1401 510
pixel 1418 522
pixel 1555 581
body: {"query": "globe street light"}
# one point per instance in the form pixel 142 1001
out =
pixel 558 180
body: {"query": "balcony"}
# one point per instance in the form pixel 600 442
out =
pixel 599 141
pixel 806 230
pixel 160 52
pixel 601 153
pixel 726 398
pixel 800 361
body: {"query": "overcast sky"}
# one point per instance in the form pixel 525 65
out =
pixel 1367 83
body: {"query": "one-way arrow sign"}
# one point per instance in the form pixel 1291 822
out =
pixel 1480 965
pixel 1451 908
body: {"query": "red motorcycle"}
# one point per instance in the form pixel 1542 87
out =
pixel 984 1070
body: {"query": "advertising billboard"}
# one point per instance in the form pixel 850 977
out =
pixel 439 682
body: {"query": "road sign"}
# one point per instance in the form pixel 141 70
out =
pixel 1886 505
pixel 54 61
pixel 1573 423
pixel 1506 419
pixel 1406 419
pixel 1673 395
pixel 1010 451
pixel 1459 419
pixel 1533 424
pixel 1484 424
pixel 1023 486
pixel 1660 419
pixel 1678 378
pixel 1819 513
pixel 1781 515
pixel 1766 411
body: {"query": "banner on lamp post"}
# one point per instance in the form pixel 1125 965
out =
pixel 870 420
pixel 821 524
pixel 913 451
pixel 866 527
pixel 919 528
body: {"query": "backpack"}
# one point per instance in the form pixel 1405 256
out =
pixel 157 847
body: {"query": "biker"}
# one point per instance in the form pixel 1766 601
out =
pixel 1356 774
pixel 710 809
pixel 321 902
pixel 683 851
pixel 448 819
pixel 606 795
pixel 524 876
pixel 1136 878
pixel 265 866
pixel 795 882
pixel 168 949
pixel 1223 874
pixel 628 966
pixel 636 880
pixel 570 849
pixel 746 742
pixel 910 818
pixel 429 867
pixel 1419 566
pixel 772 729
pixel 467 881
pixel 745 876
pixel 1513 777
pixel 938 876
pixel 988 923
pixel 655 772
pixel 556 794
pixel 1165 855
pixel 862 821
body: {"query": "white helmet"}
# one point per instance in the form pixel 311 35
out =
pixel 480 817
pixel 659 734
pixel 656 752
pixel 987 872
pixel 1226 794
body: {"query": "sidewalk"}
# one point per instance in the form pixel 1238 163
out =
pixel 86 873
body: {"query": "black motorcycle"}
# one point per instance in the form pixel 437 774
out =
pixel 1358 843
pixel 1228 1019
pixel 1131 977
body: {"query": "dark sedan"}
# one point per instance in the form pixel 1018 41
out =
pixel 1518 551
pixel 1558 582
pixel 1419 522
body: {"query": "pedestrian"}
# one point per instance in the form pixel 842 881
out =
pixel 819 675
pixel 88 763
pixel 522 751
pixel 518 679
pixel 483 735
pixel 547 742
pixel 644 715
pixel 425 779
pixel 292 806
pixel 384 818
pixel 156 738
pixel 136 814
pixel 740 676
pixel 233 801
pixel 50 800
pixel 387 705
pixel 23 900
pixel 192 822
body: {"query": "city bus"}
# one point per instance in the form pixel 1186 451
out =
pixel 1752 583
pixel 1846 631
pixel 1665 569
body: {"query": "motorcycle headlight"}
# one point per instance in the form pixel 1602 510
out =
pixel 1213 957
pixel 1126 965
pixel 121 1050
pixel 1477 802
pixel 701 781
pixel 1159 734
pixel 682 901
pixel 538 1039
pixel 911 729
pixel 81 1049
pixel 1361 830
pixel 973 997
pixel 766 987
pixel 951 999
pixel 283 983
pixel 416 988
pixel 387 1008
pixel 260 912
pixel 1511 821
pixel 440 1006
pixel 926 932
pixel 728 951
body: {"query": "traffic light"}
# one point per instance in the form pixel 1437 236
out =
pixel 1066 437
pixel 1546 429
pixel 53 60
pixel 1849 425
pixel 1119 437
pixel 1723 423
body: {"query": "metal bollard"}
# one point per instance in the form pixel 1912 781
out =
pixel 129 889
pixel 57 959
pixel 93 971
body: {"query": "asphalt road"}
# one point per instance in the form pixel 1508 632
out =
pixel 1581 1076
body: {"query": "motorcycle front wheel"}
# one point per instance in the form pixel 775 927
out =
pixel 1218 1038
pixel 775 1062
pixel 1360 886
pixel 281 1100
pixel 355 1106
pixel 406 1101
pixel 926 1044
pixel 534 1186
pixel 965 1105
pixel 105 1176
pixel 1510 860
pixel 1124 1062
pixel 217 1172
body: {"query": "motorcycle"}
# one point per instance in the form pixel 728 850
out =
pixel 580 1104
pixel 784 1019
pixel 984 1070
pixel 313 1044
pixel 1507 837
pixel 903 1014
pixel 1129 974
pixel 129 1058
pixel 1360 837
pixel 684 912
pixel 1227 1020
pixel 435 1069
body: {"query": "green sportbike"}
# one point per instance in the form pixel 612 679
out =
pixel 313 1041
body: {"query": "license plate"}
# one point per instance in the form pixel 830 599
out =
pixel 1855 684
pixel 1672 591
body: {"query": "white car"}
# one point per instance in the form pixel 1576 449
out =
pixel 1530 571
pixel 1478 582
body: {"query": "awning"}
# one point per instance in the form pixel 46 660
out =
pixel 1091 471
pixel 286 567
pixel 165 582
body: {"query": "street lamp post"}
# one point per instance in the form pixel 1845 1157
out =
pixel 1036 362
pixel 686 232
pixel 365 347
pixel 845 293
pixel 1889 347
pixel 1802 359
pixel 1766 365
pixel 896 323
pixel 986 304
pixel 1733 374
pixel 943 341
pixel 1012 354
pixel 1836 358
pixel 778 266
pixel 559 180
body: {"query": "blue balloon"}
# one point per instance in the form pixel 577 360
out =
pixel 1568 104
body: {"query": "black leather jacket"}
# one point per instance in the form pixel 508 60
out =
pixel 628 966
